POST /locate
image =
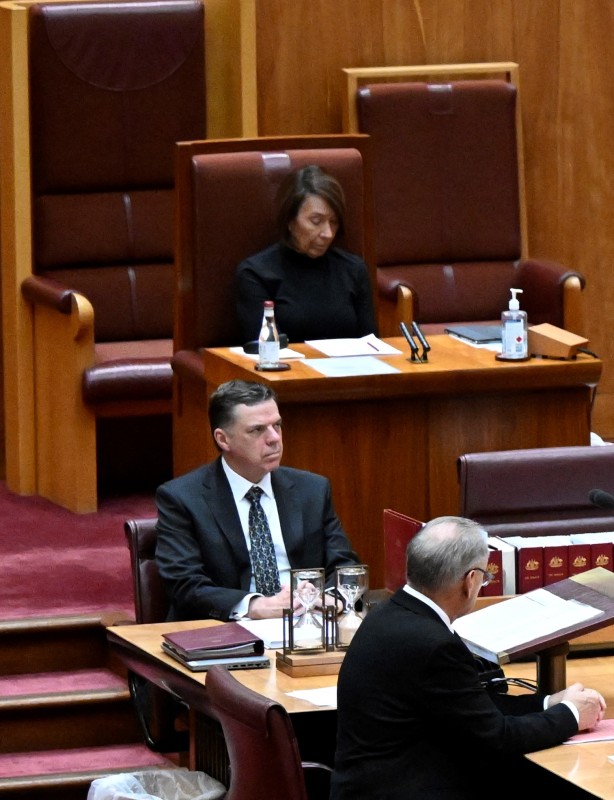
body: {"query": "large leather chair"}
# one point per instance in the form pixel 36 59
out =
pixel 537 491
pixel 264 754
pixel 105 92
pixel 448 181
pixel 226 191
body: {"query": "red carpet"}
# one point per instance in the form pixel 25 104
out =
pixel 57 562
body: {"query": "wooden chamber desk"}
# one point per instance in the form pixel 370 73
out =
pixel 392 441
pixel 139 648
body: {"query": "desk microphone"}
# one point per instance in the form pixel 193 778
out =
pixel 601 499
pixel 410 341
pixel 421 337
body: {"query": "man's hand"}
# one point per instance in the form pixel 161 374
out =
pixel 590 704
pixel 269 607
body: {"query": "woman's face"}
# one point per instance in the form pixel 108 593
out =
pixel 314 227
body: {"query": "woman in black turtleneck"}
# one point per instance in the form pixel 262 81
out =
pixel 320 291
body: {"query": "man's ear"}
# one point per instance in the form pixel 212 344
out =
pixel 221 439
pixel 468 583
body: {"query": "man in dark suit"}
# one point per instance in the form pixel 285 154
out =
pixel 413 718
pixel 204 548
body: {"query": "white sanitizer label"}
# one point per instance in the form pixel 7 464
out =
pixel 514 340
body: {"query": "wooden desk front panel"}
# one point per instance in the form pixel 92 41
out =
pixel 392 441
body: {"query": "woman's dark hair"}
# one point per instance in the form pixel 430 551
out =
pixel 298 186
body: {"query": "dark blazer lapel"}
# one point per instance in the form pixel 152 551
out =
pixel 220 501
pixel 289 509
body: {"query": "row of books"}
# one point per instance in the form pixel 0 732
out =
pixel 523 563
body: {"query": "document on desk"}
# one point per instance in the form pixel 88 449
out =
pixel 271 631
pixel 364 346
pixel 352 365
pixel 325 697
pixel 602 732
pixel 493 631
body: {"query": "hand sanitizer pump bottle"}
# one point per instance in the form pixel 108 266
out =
pixel 514 338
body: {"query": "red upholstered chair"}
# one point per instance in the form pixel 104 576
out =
pixel 448 181
pixel 537 491
pixel 156 709
pixel 264 756
pixel 108 89
pixel 398 530
pixel 226 193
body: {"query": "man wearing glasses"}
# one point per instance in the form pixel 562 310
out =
pixel 414 720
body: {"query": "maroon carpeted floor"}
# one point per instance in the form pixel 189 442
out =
pixel 55 562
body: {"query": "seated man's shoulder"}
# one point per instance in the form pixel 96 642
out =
pixel 186 482
pixel 300 477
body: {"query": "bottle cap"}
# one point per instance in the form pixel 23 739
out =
pixel 269 304
pixel 514 304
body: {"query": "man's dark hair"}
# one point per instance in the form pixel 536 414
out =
pixel 298 186
pixel 229 395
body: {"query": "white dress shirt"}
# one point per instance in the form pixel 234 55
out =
pixel 239 487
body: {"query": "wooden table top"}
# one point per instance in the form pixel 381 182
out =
pixel 452 366
pixel 269 682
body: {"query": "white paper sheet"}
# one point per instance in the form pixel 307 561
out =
pixel 352 365
pixel 365 346
pixel 317 697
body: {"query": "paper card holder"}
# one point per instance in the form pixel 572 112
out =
pixel 552 342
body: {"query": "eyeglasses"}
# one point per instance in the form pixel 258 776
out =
pixel 487 576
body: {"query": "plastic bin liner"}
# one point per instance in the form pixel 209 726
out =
pixel 174 784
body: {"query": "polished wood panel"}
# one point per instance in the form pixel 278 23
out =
pixel 391 441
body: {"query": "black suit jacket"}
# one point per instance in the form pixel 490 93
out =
pixel 414 721
pixel 201 552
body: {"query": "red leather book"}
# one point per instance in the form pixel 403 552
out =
pixel 398 530
pixel 579 558
pixel 229 638
pixel 602 554
pixel 495 567
pixel 556 563
pixel 529 564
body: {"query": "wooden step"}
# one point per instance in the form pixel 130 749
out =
pixel 68 774
pixel 49 644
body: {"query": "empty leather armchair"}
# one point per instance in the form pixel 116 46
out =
pixel 450 228
pixel 537 491
pixel 111 88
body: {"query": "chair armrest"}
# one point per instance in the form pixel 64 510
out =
pixel 544 290
pixel 48 292
pixel 189 364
